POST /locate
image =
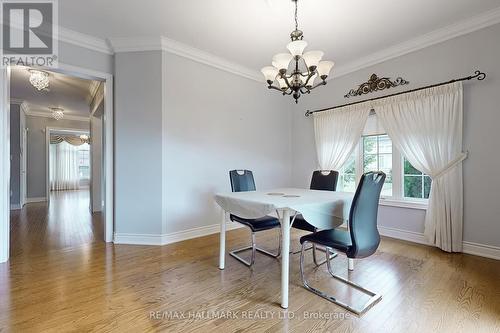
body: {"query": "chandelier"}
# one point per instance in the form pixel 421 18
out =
pixel 297 81
pixel 85 138
pixel 57 113
pixel 39 79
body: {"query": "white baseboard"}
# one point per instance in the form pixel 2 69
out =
pixel 410 236
pixel 15 207
pixel 481 250
pixel 164 239
pixel 33 200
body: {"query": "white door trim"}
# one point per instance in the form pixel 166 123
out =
pixel 108 153
pixel 4 163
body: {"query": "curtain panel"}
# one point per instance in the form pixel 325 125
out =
pixel 426 126
pixel 64 173
pixel 337 133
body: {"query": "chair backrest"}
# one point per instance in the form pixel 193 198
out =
pixel 324 180
pixel 363 215
pixel 242 180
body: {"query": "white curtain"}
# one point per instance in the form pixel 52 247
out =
pixel 427 128
pixel 64 173
pixel 337 132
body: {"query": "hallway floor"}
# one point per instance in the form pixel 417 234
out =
pixel 67 222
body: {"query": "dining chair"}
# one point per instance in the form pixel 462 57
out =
pixel 361 240
pixel 322 180
pixel 243 181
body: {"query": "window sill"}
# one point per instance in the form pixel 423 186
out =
pixel 403 203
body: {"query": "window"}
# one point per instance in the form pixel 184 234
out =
pixel 347 177
pixel 84 162
pixel 405 186
pixel 377 156
pixel 416 184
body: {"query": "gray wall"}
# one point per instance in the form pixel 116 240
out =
pixel 36 158
pixel 216 121
pixel 78 56
pixel 96 159
pixel 138 142
pixel 454 58
pixel 15 155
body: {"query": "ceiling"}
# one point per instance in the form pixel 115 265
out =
pixel 70 93
pixel 249 32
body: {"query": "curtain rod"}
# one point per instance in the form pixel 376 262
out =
pixel 477 74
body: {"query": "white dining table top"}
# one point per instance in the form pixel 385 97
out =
pixel 323 209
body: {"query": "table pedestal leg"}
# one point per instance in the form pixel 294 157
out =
pixel 222 241
pixel 285 257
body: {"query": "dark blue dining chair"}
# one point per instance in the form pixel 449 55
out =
pixel 360 241
pixel 322 180
pixel 243 181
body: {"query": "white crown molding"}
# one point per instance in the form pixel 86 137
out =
pixel 16 101
pixel 464 27
pixel 186 51
pixel 83 40
pixel 47 114
pixel 140 44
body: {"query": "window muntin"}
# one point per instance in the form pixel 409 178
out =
pixel 377 156
pixel 84 162
pixel 416 185
pixel 347 177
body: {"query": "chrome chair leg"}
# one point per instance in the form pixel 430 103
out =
pixel 254 249
pixel 374 298
pixel 327 252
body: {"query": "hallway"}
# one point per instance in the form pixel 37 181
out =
pixel 66 223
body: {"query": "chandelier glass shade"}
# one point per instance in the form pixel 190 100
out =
pixel 57 113
pixel 39 79
pixel 295 73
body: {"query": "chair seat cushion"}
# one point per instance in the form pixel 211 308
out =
pixel 302 224
pixel 334 238
pixel 262 223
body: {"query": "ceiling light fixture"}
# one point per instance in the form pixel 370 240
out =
pixel 39 79
pixel 57 113
pixel 85 138
pixel 299 81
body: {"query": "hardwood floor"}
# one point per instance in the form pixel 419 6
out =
pixel 66 223
pixel 121 288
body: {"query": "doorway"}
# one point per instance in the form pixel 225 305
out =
pixel 105 80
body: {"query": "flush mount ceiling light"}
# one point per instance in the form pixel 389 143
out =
pixel 298 81
pixel 57 113
pixel 39 79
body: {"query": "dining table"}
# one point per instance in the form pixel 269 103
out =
pixel 322 209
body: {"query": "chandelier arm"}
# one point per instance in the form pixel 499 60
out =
pixel 286 81
pixel 275 88
pixel 318 85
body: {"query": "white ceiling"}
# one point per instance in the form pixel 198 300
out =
pixel 69 93
pixel 249 32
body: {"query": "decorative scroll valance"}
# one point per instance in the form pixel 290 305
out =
pixel 71 139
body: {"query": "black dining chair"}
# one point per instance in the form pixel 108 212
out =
pixel 360 241
pixel 243 181
pixel 322 180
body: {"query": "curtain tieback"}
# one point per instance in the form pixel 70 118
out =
pixel 450 166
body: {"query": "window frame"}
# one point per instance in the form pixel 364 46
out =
pixel 397 199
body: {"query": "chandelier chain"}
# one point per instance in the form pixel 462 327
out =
pixel 296 15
